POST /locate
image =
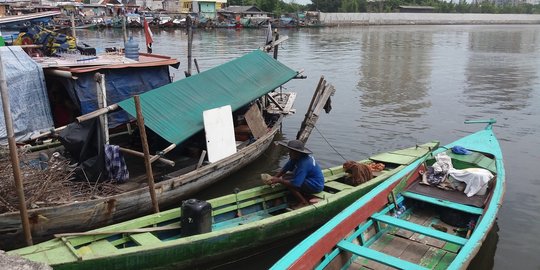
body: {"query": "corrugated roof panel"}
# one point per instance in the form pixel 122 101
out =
pixel 175 111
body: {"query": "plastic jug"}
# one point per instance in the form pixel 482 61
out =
pixel 131 49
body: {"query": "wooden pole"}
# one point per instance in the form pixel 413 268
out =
pixel 189 23
pixel 14 156
pixel 275 45
pixel 139 154
pixel 73 26
pixel 124 30
pixel 147 164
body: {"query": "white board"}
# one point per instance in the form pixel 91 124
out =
pixel 219 130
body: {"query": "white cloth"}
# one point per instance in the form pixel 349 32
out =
pixel 443 164
pixel 474 178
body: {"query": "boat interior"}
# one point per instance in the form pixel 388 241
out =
pixel 226 212
pixel 424 228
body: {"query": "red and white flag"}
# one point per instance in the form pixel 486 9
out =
pixel 148 35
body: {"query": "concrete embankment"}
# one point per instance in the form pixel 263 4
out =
pixel 339 19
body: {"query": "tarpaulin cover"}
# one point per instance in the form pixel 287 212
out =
pixel 30 109
pixel 120 84
pixel 175 111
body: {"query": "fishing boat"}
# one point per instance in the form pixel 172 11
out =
pixel 240 83
pixel 219 229
pixel 405 224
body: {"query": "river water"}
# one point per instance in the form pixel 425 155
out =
pixel 397 86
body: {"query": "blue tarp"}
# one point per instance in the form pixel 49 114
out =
pixel 120 84
pixel 30 109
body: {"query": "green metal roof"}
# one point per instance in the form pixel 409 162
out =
pixel 175 111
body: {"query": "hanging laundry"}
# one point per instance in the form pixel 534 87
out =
pixel 115 164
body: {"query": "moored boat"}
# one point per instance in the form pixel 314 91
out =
pixel 409 223
pixel 214 88
pixel 236 225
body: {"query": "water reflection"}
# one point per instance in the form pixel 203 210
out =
pixel 397 86
pixel 498 74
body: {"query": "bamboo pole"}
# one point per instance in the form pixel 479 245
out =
pixel 139 154
pixel 97 113
pixel 14 156
pixel 73 26
pixel 147 164
pixel 101 95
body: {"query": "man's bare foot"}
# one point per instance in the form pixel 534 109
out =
pixel 297 206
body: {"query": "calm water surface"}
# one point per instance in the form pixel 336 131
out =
pixel 398 86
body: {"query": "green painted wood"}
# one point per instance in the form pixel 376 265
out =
pixel 445 203
pixel 445 262
pixel 103 248
pixel 250 202
pixel 338 185
pixel 419 229
pixel 323 195
pixel 145 239
pixel 378 256
pixel 393 158
pixel 451 247
pixel 432 257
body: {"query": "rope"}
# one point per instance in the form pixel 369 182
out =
pixel 329 143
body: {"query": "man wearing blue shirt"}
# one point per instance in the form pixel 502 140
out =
pixel 306 178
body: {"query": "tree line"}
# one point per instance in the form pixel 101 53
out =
pixel 278 7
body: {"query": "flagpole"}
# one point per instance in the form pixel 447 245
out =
pixel 148 36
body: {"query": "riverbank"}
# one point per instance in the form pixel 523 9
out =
pixel 343 19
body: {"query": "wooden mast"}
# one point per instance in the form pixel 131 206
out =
pixel 147 163
pixel 14 156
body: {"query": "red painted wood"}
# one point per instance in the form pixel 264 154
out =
pixel 325 245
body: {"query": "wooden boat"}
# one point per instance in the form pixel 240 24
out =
pixel 240 223
pixel 186 180
pixel 372 234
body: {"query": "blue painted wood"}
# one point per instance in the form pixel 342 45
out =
pixel 419 229
pixel 379 256
pixel 329 257
pixel 445 203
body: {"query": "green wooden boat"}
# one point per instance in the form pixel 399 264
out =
pixel 402 224
pixel 240 223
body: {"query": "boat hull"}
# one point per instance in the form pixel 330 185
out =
pixel 86 215
pixel 373 231
pixel 243 223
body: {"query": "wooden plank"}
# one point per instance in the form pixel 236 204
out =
pixel 377 245
pixel 255 121
pixel 393 158
pixel 445 203
pixel 144 239
pixel 445 261
pixel 395 248
pixel 432 257
pixel 337 185
pixel 420 229
pixel 415 218
pixel 378 256
pixel 414 252
pixel 103 247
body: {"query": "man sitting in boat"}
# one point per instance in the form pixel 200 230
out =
pixel 306 178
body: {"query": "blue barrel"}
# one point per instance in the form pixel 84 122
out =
pixel 131 49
